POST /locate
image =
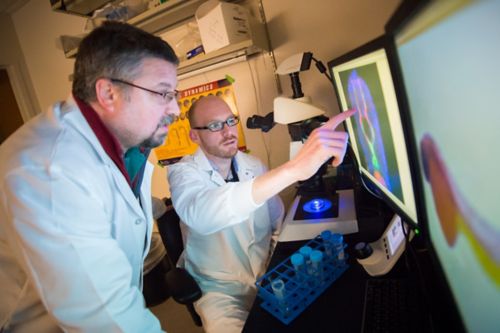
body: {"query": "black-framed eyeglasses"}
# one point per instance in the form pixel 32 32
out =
pixel 216 126
pixel 167 96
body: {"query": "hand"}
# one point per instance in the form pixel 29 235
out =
pixel 323 143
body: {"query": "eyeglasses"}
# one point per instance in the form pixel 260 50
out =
pixel 168 96
pixel 216 126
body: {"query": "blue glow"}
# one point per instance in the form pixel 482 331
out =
pixel 317 205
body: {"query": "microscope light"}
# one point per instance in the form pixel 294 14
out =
pixel 317 205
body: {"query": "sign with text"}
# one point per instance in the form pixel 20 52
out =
pixel 178 144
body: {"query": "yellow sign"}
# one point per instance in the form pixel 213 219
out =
pixel 178 144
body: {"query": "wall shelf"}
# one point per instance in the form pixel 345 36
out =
pixel 77 7
pixel 174 13
pixel 241 49
pixel 166 16
pixel 155 20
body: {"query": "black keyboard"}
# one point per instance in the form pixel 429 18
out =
pixel 390 306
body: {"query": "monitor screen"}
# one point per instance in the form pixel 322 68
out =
pixel 448 54
pixel 363 81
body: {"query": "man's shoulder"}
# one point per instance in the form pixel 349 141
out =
pixel 185 163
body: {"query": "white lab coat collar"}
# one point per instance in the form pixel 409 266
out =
pixel 244 173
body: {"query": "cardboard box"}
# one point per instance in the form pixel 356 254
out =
pixel 222 24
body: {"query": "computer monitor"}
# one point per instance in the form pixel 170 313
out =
pixel 448 56
pixel 363 81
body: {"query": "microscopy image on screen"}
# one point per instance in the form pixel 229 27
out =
pixel 456 216
pixel 371 125
pixel 363 81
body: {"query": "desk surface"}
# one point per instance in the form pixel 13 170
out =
pixel 339 308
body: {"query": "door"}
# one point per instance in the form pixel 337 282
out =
pixel 10 115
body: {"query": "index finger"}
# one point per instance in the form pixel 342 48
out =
pixel 335 121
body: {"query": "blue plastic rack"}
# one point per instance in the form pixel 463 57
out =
pixel 300 289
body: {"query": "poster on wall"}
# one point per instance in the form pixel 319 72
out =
pixel 178 144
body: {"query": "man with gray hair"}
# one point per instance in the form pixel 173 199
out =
pixel 75 205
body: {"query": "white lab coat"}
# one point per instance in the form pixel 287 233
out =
pixel 227 236
pixel 73 237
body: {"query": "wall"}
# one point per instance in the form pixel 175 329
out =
pixel 38 29
pixel 12 59
pixel 326 28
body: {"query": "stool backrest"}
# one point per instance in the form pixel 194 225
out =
pixel 170 232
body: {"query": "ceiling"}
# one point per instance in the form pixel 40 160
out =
pixel 10 6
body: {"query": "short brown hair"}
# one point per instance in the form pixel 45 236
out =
pixel 115 50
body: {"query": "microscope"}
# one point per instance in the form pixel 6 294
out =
pixel 315 207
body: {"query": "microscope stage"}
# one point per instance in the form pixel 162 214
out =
pixel 301 229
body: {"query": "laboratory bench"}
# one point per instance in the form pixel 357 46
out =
pixel 340 307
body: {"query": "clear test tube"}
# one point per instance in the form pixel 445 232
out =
pixel 299 265
pixel 306 252
pixel 326 236
pixel 317 266
pixel 338 243
pixel 278 287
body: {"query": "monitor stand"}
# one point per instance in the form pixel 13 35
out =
pixel 298 226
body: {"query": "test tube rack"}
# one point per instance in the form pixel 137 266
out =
pixel 301 289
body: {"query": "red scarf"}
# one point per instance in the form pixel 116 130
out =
pixel 106 138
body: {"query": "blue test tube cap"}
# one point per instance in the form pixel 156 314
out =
pixel 316 256
pixel 337 238
pixel 326 234
pixel 305 251
pixel 297 259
